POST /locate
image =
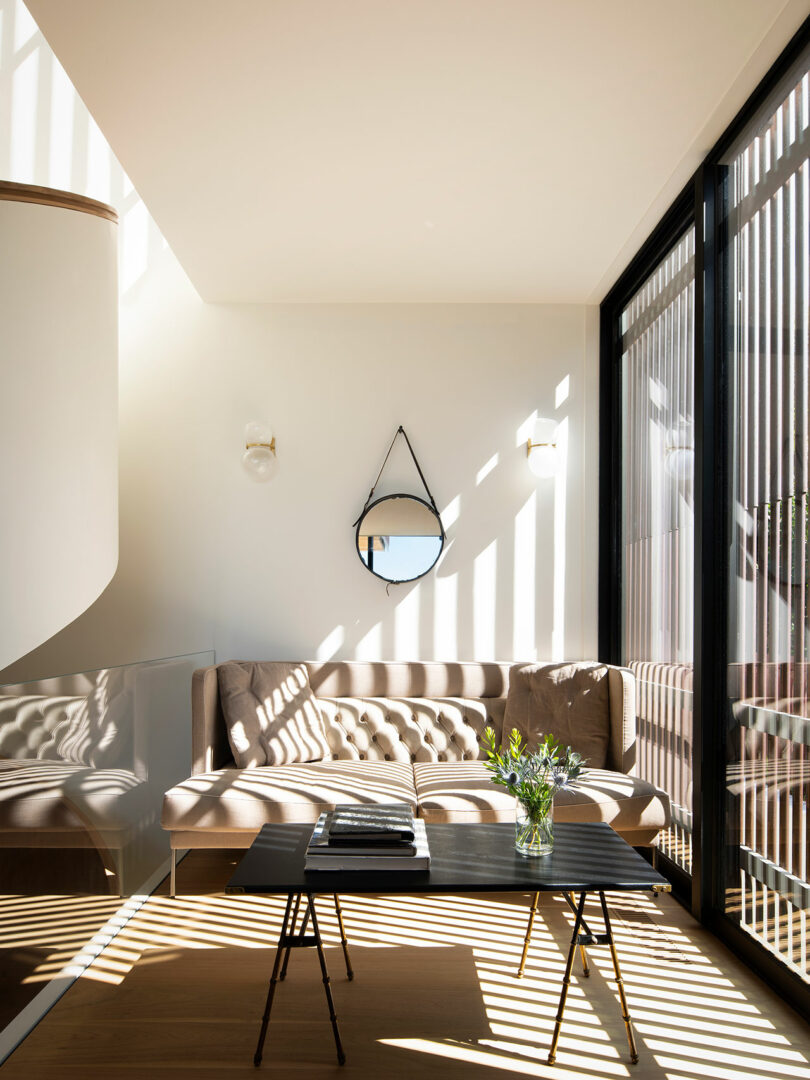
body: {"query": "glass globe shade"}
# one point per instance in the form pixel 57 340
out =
pixel 258 460
pixel 543 461
pixel 259 463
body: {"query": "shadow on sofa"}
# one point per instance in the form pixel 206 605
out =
pixel 403 732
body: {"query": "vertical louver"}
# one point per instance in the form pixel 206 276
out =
pixel 658 336
pixel 767 300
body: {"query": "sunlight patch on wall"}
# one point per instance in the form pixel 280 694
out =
pixel 61 134
pixel 99 161
pixel 134 234
pixel 406 627
pixel 445 618
pixel 484 583
pixel 451 512
pixel 523 639
pixel 24 118
pixel 369 647
pixel 485 470
pixel 24 26
pixel 525 431
pixel 562 392
pixel 558 624
pixel 330 644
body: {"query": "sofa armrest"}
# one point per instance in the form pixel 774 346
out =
pixel 622 742
pixel 209 739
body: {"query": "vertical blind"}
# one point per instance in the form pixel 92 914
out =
pixel 767 301
pixel 657 368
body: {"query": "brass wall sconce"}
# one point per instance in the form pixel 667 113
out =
pixel 541 449
pixel 259 459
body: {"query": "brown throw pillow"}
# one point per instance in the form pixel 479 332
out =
pixel 568 701
pixel 271 714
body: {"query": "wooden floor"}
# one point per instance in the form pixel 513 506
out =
pixel 179 994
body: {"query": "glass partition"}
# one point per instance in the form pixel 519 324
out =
pixel 84 762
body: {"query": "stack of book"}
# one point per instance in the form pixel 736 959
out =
pixel 368 838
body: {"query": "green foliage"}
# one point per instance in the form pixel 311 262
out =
pixel 534 777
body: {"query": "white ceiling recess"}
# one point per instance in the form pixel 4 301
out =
pixel 419 151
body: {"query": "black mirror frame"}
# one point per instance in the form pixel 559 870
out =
pixel 386 498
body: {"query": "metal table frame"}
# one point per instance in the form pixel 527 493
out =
pixel 259 872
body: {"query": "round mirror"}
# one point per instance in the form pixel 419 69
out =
pixel 399 538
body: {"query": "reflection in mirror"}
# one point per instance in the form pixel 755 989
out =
pixel 399 538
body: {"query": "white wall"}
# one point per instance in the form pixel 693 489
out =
pixel 58 419
pixel 210 559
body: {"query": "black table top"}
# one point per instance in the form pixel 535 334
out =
pixel 463 858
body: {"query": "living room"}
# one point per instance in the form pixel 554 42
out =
pixel 354 229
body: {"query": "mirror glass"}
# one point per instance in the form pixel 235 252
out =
pixel 399 538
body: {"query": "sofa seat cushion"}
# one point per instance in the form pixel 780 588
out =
pixel 463 791
pixel 55 796
pixel 240 800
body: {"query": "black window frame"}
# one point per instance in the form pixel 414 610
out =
pixel 697 204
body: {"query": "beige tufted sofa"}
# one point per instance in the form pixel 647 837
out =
pixel 397 732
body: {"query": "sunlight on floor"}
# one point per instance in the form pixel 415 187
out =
pixel 692 1019
pixel 51 928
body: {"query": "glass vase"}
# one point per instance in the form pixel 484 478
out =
pixel 533 831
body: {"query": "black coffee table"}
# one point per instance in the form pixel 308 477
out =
pixel 587 858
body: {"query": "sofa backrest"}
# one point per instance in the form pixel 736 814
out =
pixel 404 711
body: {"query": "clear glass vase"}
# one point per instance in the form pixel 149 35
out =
pixel 534 834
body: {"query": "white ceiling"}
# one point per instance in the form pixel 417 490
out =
pixel 411 150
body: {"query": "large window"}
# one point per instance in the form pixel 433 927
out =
pixel 705 524
pixel 767 295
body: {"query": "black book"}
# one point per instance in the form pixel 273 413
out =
pixel 400 856
pixel 353 825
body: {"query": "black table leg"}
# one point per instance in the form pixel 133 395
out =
pixel 291 928
pixel 257 1057
pixel 289 939
pixel 581 940
pixel 332 1015
pixel 552 1053
pixel 344 943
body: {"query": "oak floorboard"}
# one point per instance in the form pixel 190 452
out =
pixel 179 993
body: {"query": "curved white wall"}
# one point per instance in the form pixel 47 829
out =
pixel 58 418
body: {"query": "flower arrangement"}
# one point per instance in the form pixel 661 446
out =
pixel 534 779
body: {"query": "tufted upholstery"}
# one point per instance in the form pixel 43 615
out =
pixel 407 729
pixel 419 725
pixel 31 724
pixel 92 726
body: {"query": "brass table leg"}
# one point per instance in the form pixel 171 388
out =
pixel 344 943
pixel 532 913
pixel 552 1053
pixel 622 998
